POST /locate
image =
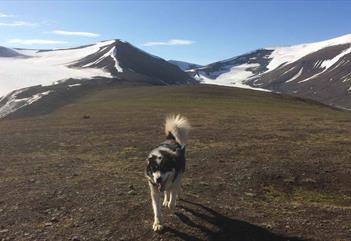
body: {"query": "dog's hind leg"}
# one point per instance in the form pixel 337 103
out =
pixel 174 193
pixel 156 205
pixel 172 199
pixel 173 196
pixel 166 198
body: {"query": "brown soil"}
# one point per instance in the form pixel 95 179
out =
pixel 260 167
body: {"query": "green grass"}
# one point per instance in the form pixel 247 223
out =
pixel 301 196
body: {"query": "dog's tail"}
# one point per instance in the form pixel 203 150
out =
pixel 177 127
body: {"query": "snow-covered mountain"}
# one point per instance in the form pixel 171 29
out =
pixel 28 76
pixel 184 65
pixel 234 71
pixel 7 53
pixel 320 71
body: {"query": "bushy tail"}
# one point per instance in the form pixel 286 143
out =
pixel 179 127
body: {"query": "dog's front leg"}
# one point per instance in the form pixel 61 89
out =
pixel 156 205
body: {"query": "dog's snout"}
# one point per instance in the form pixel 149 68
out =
pixel 159 180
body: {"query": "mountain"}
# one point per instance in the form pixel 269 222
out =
pixel 9 53
pixel 28 76
pixel 320 71
pixel 184 65
pixel 45 79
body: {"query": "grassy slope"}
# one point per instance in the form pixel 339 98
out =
pixel 260 167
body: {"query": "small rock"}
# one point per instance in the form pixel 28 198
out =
pixel 131 187
pixel 108 232
pixel 308 180
pixel 75 238
pixel 54 219
pixel 131 192
pixel 250 194
pixel 48 224
pixel 289 180
pixel 4 231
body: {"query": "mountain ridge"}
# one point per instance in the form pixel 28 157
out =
pixel 43 72
pixel 319 71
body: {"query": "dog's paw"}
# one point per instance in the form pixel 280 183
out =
pixel 171 205
pixel 157 227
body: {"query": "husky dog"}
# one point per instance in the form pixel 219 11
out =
pixel 166 165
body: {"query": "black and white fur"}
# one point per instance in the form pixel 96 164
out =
pixel 166 165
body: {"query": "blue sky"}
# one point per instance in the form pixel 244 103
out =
pixel 194 31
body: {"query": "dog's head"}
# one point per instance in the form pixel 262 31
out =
pixel 161 167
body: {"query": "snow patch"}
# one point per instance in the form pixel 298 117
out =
pixel 289 70
pixel 74 85
pixel 283 55
pixel 113 55
pixel 326 64
pixel 317 64
pixel 236 77
pixel 330 62
pixel 46 67
pixel 13 103
pixel 295 76
pixel 311 77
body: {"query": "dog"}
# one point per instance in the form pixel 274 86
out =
pixel 165 166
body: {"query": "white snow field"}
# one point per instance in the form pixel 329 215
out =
pixel 237 76
pixel 47 67
pixel 285 55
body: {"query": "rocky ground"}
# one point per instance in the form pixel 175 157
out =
pixel 260 167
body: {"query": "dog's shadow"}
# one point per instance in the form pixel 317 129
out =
pixel 225 229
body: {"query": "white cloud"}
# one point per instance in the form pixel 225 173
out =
pixel 18 24
pixel 4 15
pixel 82 34
pixel 35 41
pixel 170 42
